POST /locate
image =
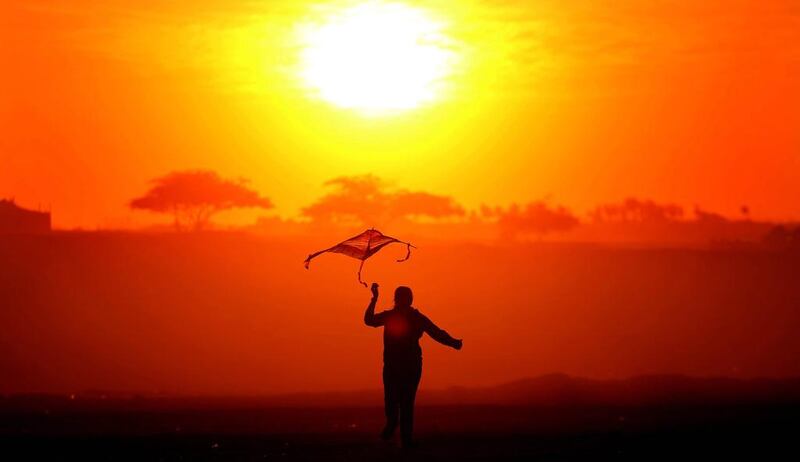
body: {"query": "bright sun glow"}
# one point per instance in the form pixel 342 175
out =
pixel 376 58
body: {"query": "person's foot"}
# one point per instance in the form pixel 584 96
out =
pixel 387 433
pixel 408 444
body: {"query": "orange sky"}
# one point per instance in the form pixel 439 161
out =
pixel 690 102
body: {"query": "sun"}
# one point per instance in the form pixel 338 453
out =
pixel 376 58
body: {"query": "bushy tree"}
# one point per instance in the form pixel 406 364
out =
pixel 367 200
pixel 194 196
pixel 537 218
pixel 633 210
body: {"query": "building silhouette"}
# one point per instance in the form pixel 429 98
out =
pixel 17 220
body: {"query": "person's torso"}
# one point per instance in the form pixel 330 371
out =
pixel 401 333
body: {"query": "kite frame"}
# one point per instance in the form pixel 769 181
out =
pixel 409 245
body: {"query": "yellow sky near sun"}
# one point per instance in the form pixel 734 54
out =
pixel 578 102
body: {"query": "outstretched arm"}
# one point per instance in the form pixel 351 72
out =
pixel 370 318
pixel 440 335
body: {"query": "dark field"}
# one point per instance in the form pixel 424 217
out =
pixel 757 432
pixel 149 317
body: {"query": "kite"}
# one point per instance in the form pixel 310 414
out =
pixel 362 247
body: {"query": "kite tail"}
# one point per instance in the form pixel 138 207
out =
pixel 408 252
pixel 359 274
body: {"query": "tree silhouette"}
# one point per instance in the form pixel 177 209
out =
pixel 367 200
pixel 634 210
pixel 536 218
pixel 194 196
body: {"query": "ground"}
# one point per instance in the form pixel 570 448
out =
pixel 490 433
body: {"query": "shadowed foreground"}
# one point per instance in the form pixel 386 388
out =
pixel 142 430
pixel 118 311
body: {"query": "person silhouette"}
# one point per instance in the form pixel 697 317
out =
pixel 403 326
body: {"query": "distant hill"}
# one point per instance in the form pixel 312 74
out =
pixel 547 390
pixel 559 389
pixel 563 390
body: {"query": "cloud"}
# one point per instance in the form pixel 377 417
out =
pixel 231 47
pixel 636 36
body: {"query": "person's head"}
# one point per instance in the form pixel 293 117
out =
pixel 403 297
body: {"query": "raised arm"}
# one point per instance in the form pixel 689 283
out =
pixel 439 334
pixel 370 318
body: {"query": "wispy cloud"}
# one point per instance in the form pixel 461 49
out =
pixel 511 43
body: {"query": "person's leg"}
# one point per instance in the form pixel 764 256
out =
pixel 391 402
pixel 407 398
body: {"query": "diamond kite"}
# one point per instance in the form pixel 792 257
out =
pixel 362 247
